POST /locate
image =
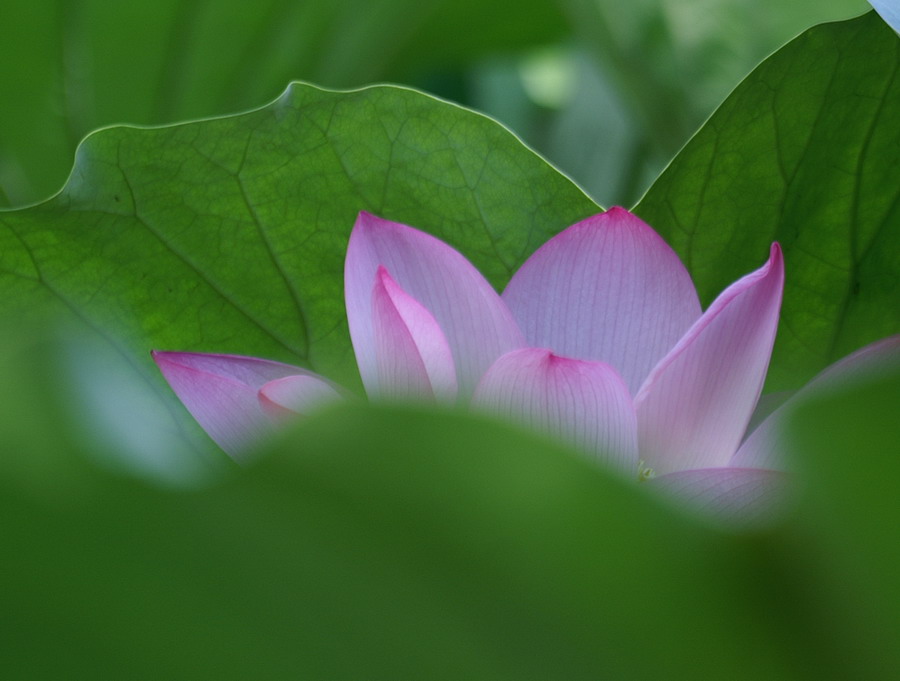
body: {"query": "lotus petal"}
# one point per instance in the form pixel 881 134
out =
pixel 740 497
pixel 293 396
pixel 412 356
pixel 220 392
pixel 584 403
pixel 476 322
pixel 695 405
pixel 607 289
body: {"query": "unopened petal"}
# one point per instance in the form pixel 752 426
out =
pixel 694 406
pixel 606 289
pixel 740 497
pixel 220 392
pixel 475 321
pixel 765 447
pixel 584 403
pixel 296 396
pixel 412 355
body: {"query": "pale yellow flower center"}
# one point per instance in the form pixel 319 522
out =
pixel 644 472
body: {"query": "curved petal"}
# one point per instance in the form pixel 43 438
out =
pixel 607 289
pixel 585 403
pixel 744 497
pixel 765 447
pixel 412 356
pixel 475 321
pixel 694 406
pixel 295 396
pixel 220 392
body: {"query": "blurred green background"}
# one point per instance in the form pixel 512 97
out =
pixel 607 91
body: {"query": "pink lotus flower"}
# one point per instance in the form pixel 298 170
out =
pixel 598 339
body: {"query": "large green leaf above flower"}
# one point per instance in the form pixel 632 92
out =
pixel 805 151
pixel 230 234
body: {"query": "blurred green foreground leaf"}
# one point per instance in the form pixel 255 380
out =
pixel 384 543
pixel 849 529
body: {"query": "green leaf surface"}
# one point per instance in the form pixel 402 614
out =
pixel 91 63
pixel 378 543
pixel 229 235
pixel 806 151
